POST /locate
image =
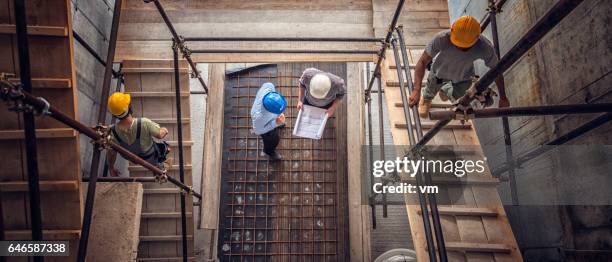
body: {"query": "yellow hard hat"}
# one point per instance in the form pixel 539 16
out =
pixel 119 104
pixel 465 32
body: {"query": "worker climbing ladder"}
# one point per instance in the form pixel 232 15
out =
pixel 151 85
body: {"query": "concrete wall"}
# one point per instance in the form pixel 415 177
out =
pixel 91 19
pixel 570 65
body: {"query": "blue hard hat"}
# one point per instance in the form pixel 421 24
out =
pixel 274 102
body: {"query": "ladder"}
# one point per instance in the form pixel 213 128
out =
pixel 475 227
pixel 151 86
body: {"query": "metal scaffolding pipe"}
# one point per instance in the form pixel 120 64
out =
pixel 179 128
pixel 526 111
pixel 101 120
pixel 386 42
pixel 484 22
pixel 41 105
pixel 400 77
pixel 541 28
pixel 178 39
pixel 29 125
pixel 435 216
pixel 124 179
pixel 91 51
pixel 280 51
pixel 284 39
pixel 586 127
pixel 546 23
pixel 370 150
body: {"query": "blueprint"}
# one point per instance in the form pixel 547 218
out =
pixel 310 122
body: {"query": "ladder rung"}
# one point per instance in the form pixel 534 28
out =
pixel 164 259
pixel 433 105
pixel 477 247
pixel 22 186
pixel 47 82
pixel 170 120
pixel 40 133
pixel 142 169
pixel 157 94
pixel 466 211
pixel 47 234
pixel 390 83
pixel 163 238
pixel 456 125
pixel 161 191
pixel 36 30
pixel 165 215
pixel 185 143
pixel 153 70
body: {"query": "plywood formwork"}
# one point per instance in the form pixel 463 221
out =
pixel 475 226
pixel 52 69
pixel 151 84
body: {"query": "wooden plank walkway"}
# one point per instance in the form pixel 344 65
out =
pixel 475 227
pixel 152 84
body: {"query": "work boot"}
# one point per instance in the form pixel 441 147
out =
pixel 275 156
pixel 424 106
pixel 443 96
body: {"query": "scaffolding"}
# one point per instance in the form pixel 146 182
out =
pixel 20 98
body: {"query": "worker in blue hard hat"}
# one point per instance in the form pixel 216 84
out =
pixel 268 118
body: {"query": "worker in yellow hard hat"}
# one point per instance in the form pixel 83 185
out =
pixel 135 134
pixel 450 57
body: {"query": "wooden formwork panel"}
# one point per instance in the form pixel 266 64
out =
pixel 53 77
pixel 151 84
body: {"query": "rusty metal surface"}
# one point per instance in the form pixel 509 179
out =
pixel 292 210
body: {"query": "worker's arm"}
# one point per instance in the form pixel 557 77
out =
pixel 162 133
pixel 111 156
pixel 332 109
pixel 419 73
pixel 301 92
pixel 501 88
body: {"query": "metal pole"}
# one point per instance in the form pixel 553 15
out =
pixel 541 28
pixel 95 159
pixel 570 109
pixel 91 51
pixel 284 39
pixel 400 77
pixel 404 63
pixel 178 39
pixel 586 127
pixel 554 15
pixel 177 89
pixel 370 150
pixel 15 94
pixel 493 9
pixel 381 53
pixel 29 124
pixel 484 22
pixel 280 51
pixel 124 179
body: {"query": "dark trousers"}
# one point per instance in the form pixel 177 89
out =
pixel 271 140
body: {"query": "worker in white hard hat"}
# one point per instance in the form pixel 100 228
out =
pixel 135 134
pixel 321 89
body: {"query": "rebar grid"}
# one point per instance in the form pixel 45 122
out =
pixel 282 211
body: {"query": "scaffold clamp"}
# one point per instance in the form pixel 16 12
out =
pixel 104 141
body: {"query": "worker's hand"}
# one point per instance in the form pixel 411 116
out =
pixel 300 105
pixel 114 172
pixel 414 98
pixel 330 111
pixel 280 119
pixel 503 102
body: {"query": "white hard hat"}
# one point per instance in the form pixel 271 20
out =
pixel 319 86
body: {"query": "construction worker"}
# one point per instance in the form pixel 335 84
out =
pixel 268 118
pixel 135 134
pixel 453 53
pixel 320 89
